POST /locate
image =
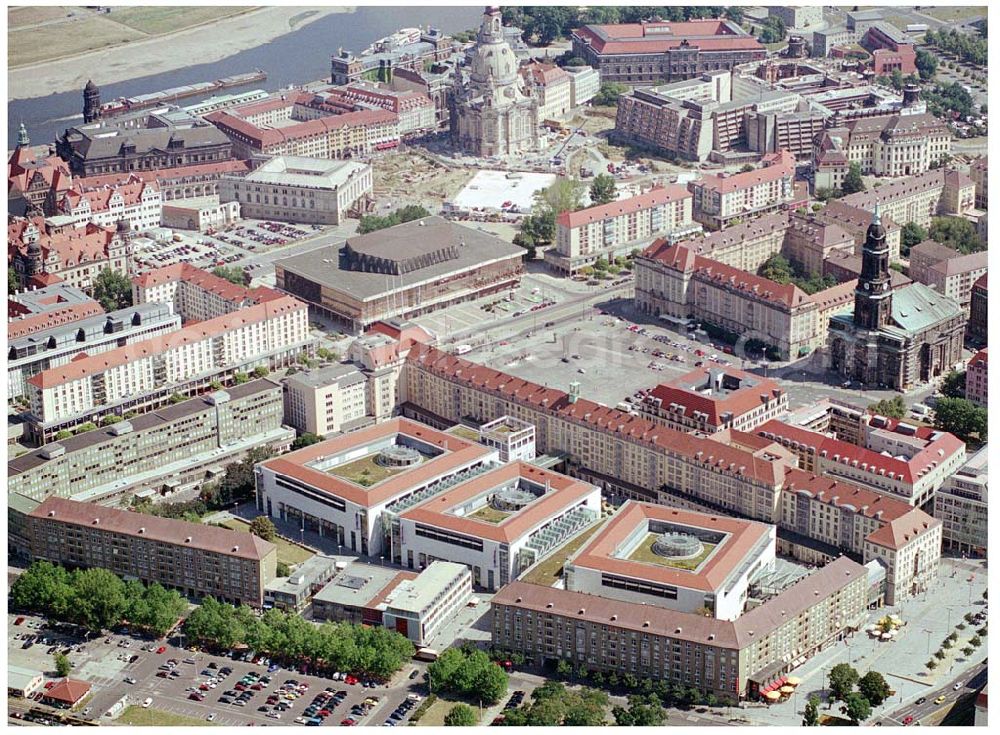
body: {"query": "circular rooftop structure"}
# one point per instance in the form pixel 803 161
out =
pixel 398 456
pixel 511 499
pixel 677 546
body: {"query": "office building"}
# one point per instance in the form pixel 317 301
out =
pixel 712 399
pixel 294 592
pixel 164 452
pixel 512 438
pixel 46 307
pixel 403 271
pixel 650 52
pixel 498 523
pixel 147 374
pixel 200 214
pixel 673 280
pixel 42 251
pixel 960 504
pixel 417 608
pixel 947 271
pixel 327 400
pixel 195 294
pixel 584 84
pixel 297 189
pixel 896 337
pixel 31 354
pixel 801 16
pixel 613 229
pixel 358 593
pixel 134 201
pixel 95 148
pixel 976 382
pixel 675 559
pixel 730 659
pixel 197 559
pixel 723 198
pixel 411 49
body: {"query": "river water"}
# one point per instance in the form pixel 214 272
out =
pixel 295 58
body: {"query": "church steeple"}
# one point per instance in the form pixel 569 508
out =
pixel 23 141
pixel 873 295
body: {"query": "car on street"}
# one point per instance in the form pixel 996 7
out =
pixel 958 685
pixel 129 680
pixel 908 719
pixel 940 700
pixel 211 717
pixel 921 700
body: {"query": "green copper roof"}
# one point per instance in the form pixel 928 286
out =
pixel 916 307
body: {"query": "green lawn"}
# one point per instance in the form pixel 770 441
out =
pixel 157 20
pixel 490 515
pixel 434 716
pixel 139 717
pixel 951 14
pixel 644 552
pixel 549 571
pixel 287 551
pixel 465 432
pixel 365 471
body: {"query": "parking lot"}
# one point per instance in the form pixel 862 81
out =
pixel 194 691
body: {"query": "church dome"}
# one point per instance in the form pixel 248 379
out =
pixel 492 57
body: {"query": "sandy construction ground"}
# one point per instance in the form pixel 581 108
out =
pixel 138 57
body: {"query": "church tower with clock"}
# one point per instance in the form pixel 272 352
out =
pixel 873 295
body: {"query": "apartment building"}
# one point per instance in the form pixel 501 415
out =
pixel 855 219
pixel 499 522
pixel 46 307
pixel 307 126
pixel 164 452
pixel 43 349
pixel 745 246
pixel 978 311
pixel 731 659
pixel 415 110
pixel 946 270
pixel 979 173
pixel 194 294
pixel 674 559
pixel 194 558
pixel 919 198
pixel 42 251
pixel 712 399
pixel 720 199
pixel 135 201
pixel 584 84
pixel 146 374
pixel 329 400
pixel 380 355
pixel 960 504
pixel 673 280
pixel 895 458
pixel 341 487
pixel 649 52
pixel 298 189
pixel 608 230
pixel 552 86
pixel 976 379
pixel 810 242
pixel 783 130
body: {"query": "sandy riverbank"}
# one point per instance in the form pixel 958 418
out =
pixel 206 43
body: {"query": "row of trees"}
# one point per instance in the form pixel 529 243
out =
pixel 872 691
pixel 946 100
pixel 952 640
pixel 962 418
pixel 968 48
pixel 468 673
pixel 957 233
pixel 373 222
pixel 96 598
pixel 373 651
pixel 554 705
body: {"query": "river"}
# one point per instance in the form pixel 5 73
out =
pixel 297 57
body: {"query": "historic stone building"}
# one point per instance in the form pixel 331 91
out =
pixel 491 113
pixel 896 337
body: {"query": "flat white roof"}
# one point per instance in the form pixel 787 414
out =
pixel 492 189
pixel 418 594
pixel 305 171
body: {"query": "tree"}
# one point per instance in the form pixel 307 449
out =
pixel 912 234
pixel 735 14
pixel 857 708
pixel 927 64
pixel 177 398
pixel 609 93
pixel 98 598
pixel 563 195
pixel 957 233
pixel 961 417
pixel 773 30
pixel 113 290
pixel 602 190
pixel 374 222
pixel 564 669
pixel 282 569
pixel 61 661
pixel 461 715
pixel 893 408
pixel 968 651
pixel 810 717
pixel 939 654
pixel 468 674
pixel 306 439
pixel 13 281
pixel 239 378
pixel 874 688
pixel 953 386
pixel 843 677
pixel 777 269
pixel 263 527
pixel 230 273
pixel 976 641
pixel 853 183
pixel 261 371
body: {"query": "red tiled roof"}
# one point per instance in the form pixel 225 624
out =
pixel 652 198
pixel 189 334
pixel 32 323
pixel 844 495
pixel 781 165
pixel 599 552
pixel 565 492
pixel 265 137
pixel 162 175
pixel 70 691
pixel 681 257
pixel 685 392
pixel 73 245
pixel 901 531
pixel 638 38
pixel 629 428
pixel 195 276
pixel 131 191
